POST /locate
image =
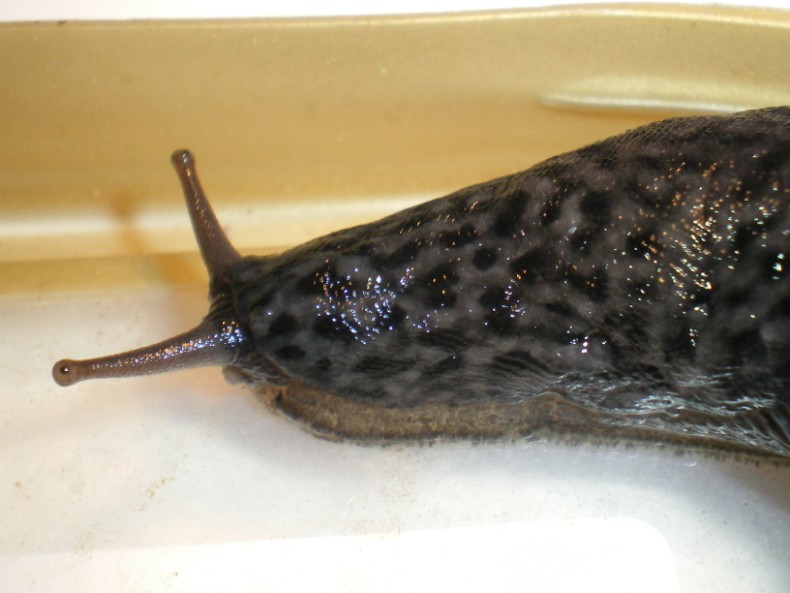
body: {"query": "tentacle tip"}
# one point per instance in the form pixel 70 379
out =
pixel 65 372
pixel 182 158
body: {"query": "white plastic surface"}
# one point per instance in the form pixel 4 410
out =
pixel 183 483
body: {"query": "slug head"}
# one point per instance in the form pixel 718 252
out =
pixel 218 340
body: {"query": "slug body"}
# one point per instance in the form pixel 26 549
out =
pixel 636 287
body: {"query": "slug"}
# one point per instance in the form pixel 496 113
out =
pixel 637 287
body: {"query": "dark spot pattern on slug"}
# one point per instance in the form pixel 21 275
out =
pixel 629 326
pixel 394 319
pixel 456 239
pixel 285 323
pixel 312 283
pixel 699 296
pixel 551 210
pixel 636 285
pixel 290 352
pixel 746 344
pixel 596 209
pixel 679 341
pixel 581 240
pixel 745 235
pixel 593 286
pixel 259 301
pixel 484 258
pixel 781 309
pixel 641 289
pixel 537 264
pixel 643 243
pixel 405 254
pixel 638 278
pixel 493 298
pixel 508 217
pixel 440 298
pixel 560 308
pixel 332 328
pixel 737 297
pixel 500 321
pixel 438 283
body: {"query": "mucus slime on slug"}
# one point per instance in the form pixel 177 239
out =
pixel 638 286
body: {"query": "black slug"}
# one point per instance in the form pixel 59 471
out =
pixel 636 287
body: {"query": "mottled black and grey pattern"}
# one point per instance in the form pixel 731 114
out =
pixel 645 277
pixel 637 287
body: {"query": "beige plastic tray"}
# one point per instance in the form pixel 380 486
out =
pixel 180 482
